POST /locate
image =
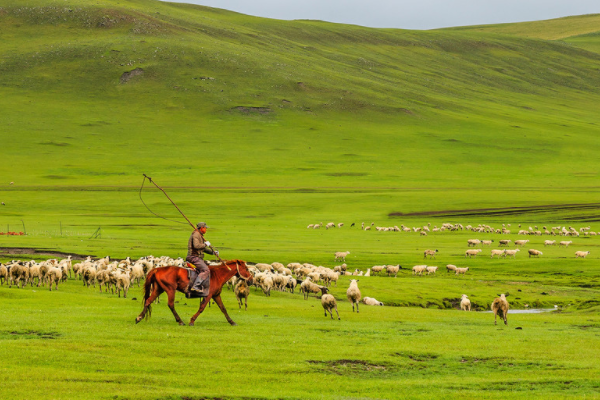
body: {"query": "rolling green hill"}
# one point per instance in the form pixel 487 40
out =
pixel 257 102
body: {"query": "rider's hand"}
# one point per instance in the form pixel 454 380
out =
pixel 207 243
pixel 217 253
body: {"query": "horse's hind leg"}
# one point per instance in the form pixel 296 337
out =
pixel 171 303
pixel 156 291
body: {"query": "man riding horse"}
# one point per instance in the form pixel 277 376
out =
pixel 197 246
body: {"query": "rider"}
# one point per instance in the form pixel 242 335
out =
pixel 197 246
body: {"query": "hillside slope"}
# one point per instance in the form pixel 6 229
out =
pixel 304 103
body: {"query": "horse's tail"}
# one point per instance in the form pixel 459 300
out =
pixel 147 290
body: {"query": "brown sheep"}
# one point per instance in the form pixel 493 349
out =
pixel 500 307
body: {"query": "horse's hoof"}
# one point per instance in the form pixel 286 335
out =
pixel 191 324
pixel 137 320
pixel 233 324
pixel 181 323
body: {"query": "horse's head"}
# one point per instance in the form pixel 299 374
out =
pixel 243 272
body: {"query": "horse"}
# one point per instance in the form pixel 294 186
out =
pixel 171 279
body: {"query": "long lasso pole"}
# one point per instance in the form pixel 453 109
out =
pixel 186 218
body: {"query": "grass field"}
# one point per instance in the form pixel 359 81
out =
pixel 261 127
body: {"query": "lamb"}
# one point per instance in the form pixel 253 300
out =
pixel 535 253
pixel 521 242
pixel 500 307
pixel 450 267
pixel 430 253
pixel 328 302
pixel 54 275
pixel 432 270
pixel 496 252
pixel 418 269
pixel 472 253
pixel 370 301
pixel 565 243
pixel 393 269
pixel 461 271
pixel 582 254
pixel 353 294
pixel 465 303
pixel 341 255
pixel 242 291
pixel 510 253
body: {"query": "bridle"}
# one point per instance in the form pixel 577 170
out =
pixel 237 264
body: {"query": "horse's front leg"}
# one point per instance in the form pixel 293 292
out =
pixel 203 304
pixel 223 310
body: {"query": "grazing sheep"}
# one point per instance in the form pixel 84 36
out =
pixel 472 253
pixel 565 243
pixel 503 242
pixel 500 307
pixel 330 225
pixel 242 291
pixel 521 242
pixel 340 224
pixel 418 269
pixel 353 294
pixel 510 253
pixel 393 269
pixel 432 270
pixel 341 255
pixel 549 242
pixel 370 301
pixel 430 253
pixel 498 253
pixel 461 271
pixel 473 242
pixel 450 267
pixel 535 253
pixel 582 254
pixel 328 302
pixel 465 303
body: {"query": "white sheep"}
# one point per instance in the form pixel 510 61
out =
pixel 328 302
pixel 430 253
pixel 307 287
pixel 377 269
pixel 496 252
pixel 419 269
pixel 521 242
pixel 473 242
pixel 123 283
pixel 549 242
pixel 341 255
pixel 370 301
pixel 565 243
pixel 461 271
pixel 510 253
pixel 393 269
pixel 353 294
pixel 465 303
pixel 472 253
pixel 54 275
pixel 503 242
pixel 432 270
pixel 450 267
pixel 582 254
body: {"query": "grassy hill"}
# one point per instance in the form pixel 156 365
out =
pixel 317 103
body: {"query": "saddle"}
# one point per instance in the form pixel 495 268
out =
pixel 192 276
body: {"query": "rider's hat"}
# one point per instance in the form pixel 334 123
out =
pixel 202 225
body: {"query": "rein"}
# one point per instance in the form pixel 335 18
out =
pixel 237 264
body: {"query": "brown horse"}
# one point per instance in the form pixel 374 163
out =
pixel 172 279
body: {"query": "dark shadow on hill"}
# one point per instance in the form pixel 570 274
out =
pixel 16 251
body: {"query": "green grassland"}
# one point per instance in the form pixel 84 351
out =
pixel 261 127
